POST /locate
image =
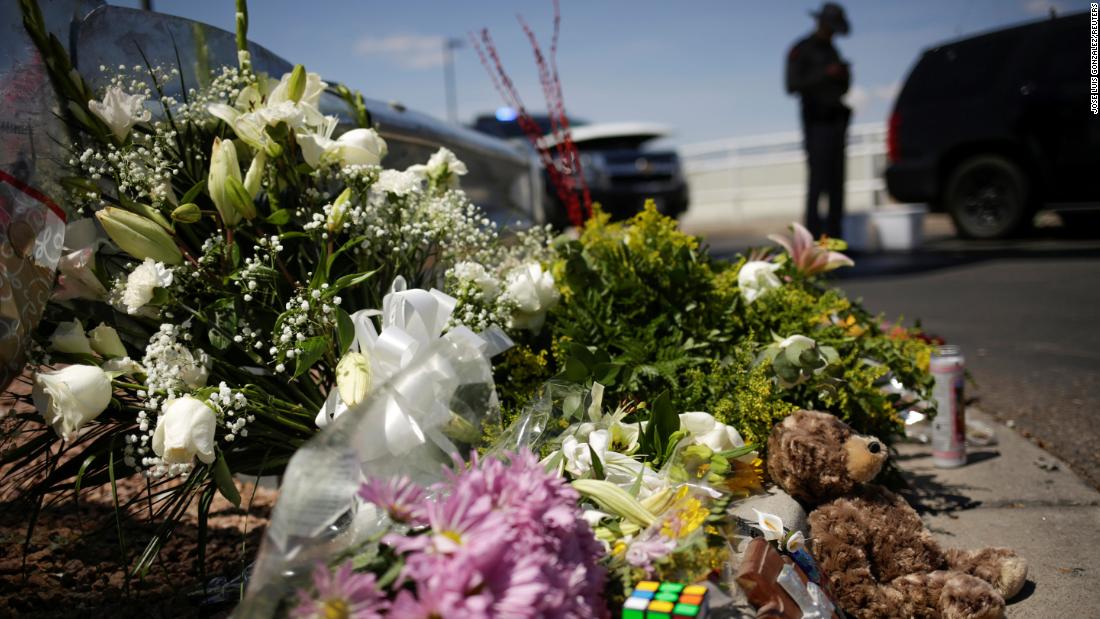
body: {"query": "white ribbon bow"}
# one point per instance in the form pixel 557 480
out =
pixel 414 405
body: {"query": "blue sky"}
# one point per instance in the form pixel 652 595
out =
pixel 708 68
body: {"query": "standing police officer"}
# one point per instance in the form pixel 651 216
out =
pixel 816 72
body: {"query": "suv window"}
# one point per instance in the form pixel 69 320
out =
pixel 965 69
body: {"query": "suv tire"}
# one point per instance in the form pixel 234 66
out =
pixel 987 197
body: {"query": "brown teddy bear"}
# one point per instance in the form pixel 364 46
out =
pixel 879 559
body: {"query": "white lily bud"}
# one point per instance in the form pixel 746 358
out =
pixel 139 236
pixel 615 500
pixel 105 341
pixel 187 213
pixel 353 378
pixel 296 84
pixel 69 338
pixel 71 397
pixel 184 431
pixel 253 180
pixel 224 166
pixel 339 211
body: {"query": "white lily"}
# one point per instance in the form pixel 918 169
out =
pixel 757 277
pixel 796 541
pixel 71 397
pixel 69 338
pixel 704 429
pixel 185 431
pixel 770 524
pixel 75 279
pixel 120 111
pixel 253 112
pixel 443 164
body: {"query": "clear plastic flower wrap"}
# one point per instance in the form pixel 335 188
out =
pixel 411 426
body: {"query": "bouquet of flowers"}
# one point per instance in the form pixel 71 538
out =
pixel 245 290
pixel 236 275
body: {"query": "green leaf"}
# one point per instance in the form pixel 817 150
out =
pixel 280 217
pixel 574 371
pixel 345 330
pixel 193 192
pixel 673 441
pixel 312 349
pixel 738 452
pixel 348 281
pixel 80 474
pixel 664 422
pixel 607 373
pixel 597 465
pixel 224 479
pixel 582 353
pixel 223 323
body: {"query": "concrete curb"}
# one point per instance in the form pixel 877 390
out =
pixel 1014 494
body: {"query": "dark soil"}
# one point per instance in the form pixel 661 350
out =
pixel 75 566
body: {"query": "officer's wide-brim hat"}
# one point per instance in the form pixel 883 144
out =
pixel 832 15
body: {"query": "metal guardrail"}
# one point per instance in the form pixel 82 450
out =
pixel 764 177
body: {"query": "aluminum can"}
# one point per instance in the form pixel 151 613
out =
pixel 949 425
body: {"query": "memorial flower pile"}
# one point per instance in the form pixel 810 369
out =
pixel 247 290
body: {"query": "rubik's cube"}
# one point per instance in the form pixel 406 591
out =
pixel 666 600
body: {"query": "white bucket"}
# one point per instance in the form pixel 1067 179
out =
pixel 899 227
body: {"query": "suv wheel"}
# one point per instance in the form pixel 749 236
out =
pixel 987 197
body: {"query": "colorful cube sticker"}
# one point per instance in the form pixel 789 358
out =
pixel 666 600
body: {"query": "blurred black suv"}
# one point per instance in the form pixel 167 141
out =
pixel 620 168
pixel 992 127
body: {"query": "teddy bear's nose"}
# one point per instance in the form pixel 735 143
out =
pixel 874 447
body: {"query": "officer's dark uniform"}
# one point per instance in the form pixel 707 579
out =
pixel 824 125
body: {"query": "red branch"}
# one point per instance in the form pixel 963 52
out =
pixel 563 164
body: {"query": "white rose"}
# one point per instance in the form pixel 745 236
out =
pixel 142 282
pixel 120 111
pixel 71 397
pixel 356 147
pixel 359 147
pixel 706 430
pixel 533 292
pixel 184 431
pixel 756 278
pixel 69 338
pixel 105 341
pixel 397 183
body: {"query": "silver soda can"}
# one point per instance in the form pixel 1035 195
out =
pixel 949 425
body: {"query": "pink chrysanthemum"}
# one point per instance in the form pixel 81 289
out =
pixel 505 539
pixel 341 594
pixel 399 497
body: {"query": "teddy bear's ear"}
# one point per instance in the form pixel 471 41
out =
pixel 806 456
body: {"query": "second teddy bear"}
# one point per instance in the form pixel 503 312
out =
pixel 879 558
